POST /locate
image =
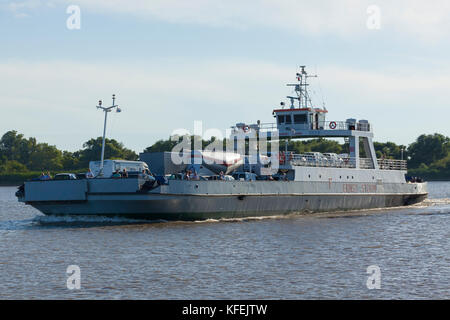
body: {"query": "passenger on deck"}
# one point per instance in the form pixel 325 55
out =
pixel 221 176
pixel 49 176
pixel 271 178
pixel 194 176
pixel 147 175
pixel 116 174
pixel 89 174
pixel 43 176
pixel 124 173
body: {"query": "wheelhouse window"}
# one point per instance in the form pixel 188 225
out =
pixel 281 119
pixel 299 118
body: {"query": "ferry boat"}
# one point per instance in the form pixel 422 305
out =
pixel 290 183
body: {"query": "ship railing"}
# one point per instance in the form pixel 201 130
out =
pixel 319 160
pixel 365 163
pixel 333 125
pixel 320 125
pixel 268 126
pixel 341 125
pixel 390 164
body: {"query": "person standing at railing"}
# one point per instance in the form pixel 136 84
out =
pixel 382 161
pixel 89 174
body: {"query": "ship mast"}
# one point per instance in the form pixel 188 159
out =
pixel 106 110
pixel 301 89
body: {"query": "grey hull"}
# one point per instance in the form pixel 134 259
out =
pixel 167 207
pixel 196 200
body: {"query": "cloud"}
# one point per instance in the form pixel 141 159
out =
pixel 155 97
pixel 424 20
pixel 20 8
pixel 160 96
pixel 345 18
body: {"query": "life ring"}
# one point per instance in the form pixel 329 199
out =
pixel 332 125
pixel 281 157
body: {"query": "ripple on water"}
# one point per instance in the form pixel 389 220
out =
pixel 289 257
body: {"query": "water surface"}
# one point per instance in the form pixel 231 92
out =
pixel 322 256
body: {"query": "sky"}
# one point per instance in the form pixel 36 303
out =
pixel 173 62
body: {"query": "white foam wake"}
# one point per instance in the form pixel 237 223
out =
pixel 433 202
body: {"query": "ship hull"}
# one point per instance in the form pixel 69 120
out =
pixel 190 207
pixel 197 200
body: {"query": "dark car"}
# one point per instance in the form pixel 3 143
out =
pixel 65 176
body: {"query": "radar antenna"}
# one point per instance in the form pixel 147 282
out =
pixel 301 89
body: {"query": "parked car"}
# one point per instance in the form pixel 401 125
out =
pixel 80 175
pixel 65 176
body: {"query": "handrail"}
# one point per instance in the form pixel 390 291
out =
pixel 334 161
pixel 320 125
pixel 390 164
pixel 310 160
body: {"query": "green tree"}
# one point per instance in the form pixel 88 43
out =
pixel 428 149
pixel 168 145
pixel 93 147
pixel 390 150
pixel 161 146
pixel 45 157
pixel 14 146
pixel 314 145
pixel 70 161
pixel 12 166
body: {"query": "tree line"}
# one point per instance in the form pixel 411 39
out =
pixel 18 154
pixel 428 156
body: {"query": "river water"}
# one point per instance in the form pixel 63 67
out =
pixel 320 256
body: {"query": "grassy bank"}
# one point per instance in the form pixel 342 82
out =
pixel 17 178
pixel 429 175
